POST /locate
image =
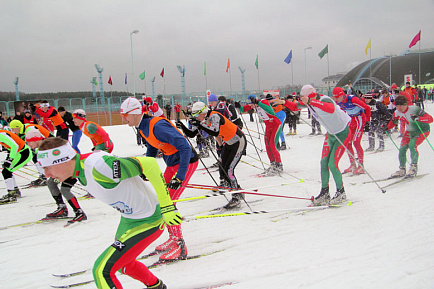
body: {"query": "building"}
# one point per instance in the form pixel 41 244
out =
pixel 383 71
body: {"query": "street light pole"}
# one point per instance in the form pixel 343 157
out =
pixel 305 69
pixel 132 59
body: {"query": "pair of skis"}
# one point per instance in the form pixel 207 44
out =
pixel 142 257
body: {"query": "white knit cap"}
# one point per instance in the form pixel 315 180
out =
pixel 308 90
pixel 131 105
pixel 33 134
pixel 198 108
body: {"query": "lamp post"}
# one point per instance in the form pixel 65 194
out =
pixel 132 61
pixel 305 69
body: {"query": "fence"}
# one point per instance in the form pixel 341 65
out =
pixel 105 111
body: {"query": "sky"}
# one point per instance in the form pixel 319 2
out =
pixel 52 46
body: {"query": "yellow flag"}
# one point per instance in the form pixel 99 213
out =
pixel 368 46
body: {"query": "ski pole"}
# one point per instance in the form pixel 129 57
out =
pixel 250 189
pixel 424 135
pixel 253 143
pixel 247 192
pixel 250 164
pixel 192 218
pixel 346 149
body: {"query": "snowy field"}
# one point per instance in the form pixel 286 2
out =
pixel 381 241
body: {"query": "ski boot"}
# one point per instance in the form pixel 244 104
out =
pixel 158 285
pixel 312 133
pixel 166 246
pixel 399 173
pixel 412 172
pixel 323 198
pixel 359 170
pixel 370 149
pixel 235 202
pixel 339 197
pixel 380 148
pixel 60 212
pixel 177 252
pixel 278 167
pixel 41 181
pixel 283 146
pixel 9 197
pixel 17 192
pixel 79 216
pixel 350 169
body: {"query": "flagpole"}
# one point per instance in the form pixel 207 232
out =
pixel 419 60
pixel 370 59
pixel 230 82
pixel 292 75
pixel 328 73
pixel 259 84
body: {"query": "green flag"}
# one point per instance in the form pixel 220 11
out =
pixel 257 62
pixel 142 75
pixel 324 51
pixel 94 81
pixel 204 68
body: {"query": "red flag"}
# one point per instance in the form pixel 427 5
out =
pixel 229 65
pixel 162 72
pixel 415 40
pixel 110 81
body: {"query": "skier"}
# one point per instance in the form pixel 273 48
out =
pixel 281 115
pixel 336 122
pixel 145 208
pixel 34 138
pixel 168 109
pixel 181 160
pixel 49 112
pixel 76 131
pixel 29 118
pixel 360 113
pixel 99 137
pixel 215 124
pixel 18 155
pixel 416 129
pixel 272 131
pixel 379 115
pixel 21 129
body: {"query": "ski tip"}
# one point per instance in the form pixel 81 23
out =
pixel 383 191
pixel 301 181
pixel 350 203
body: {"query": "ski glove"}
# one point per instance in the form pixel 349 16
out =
pixel 195 122
pixel 384 127
pixel 237 104
pixel 171 215
pixel 367 127
pixel 174 183
pixel 415 117
pixel 7 163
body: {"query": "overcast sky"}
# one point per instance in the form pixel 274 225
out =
pixel 53 45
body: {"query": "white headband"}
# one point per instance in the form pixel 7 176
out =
pixel 45 104
pixel 56 156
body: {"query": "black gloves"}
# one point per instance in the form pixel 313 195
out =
pixel 237 104
pixel 367 126
pixel 7 163
pixel 174 183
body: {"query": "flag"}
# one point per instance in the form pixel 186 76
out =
pixel 257 62
pixel 110 81
pixel 204 68
pixel 126 78
pixel 229 65
pixel 324 51
pixel 368 46
pixel 183 70
pixel 142 75
pixel 162 72
pixel 94 81
pixel 415 40
pixel 289 57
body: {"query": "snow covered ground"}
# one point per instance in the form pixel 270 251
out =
pixel 381 241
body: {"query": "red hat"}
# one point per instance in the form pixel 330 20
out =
pixel 394 86
pixel 337 91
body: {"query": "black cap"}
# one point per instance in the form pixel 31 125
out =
pixel 61 108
